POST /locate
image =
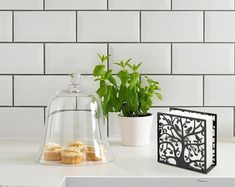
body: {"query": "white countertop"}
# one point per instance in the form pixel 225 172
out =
pixel 17 165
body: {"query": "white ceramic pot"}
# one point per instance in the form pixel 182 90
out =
pixel 135 131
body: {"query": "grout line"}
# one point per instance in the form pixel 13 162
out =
pixel 107 4
pixel 171 4
pixel 167 74
pixel 204 27
pixel 76 25
pixel 76 102
pixel 44 5
pixel 234 57
pixel 191 106
pixel 90 74
pixel 203 90
pixel 13 90
pixel 44 113
pixel 115 10
pixel 21 106
pixel 107 52
pixel 44 74
pixel 171 58
pixel 233 121
pixel 112 42
pixel 44 58
pixel 140 27
pixel 13 26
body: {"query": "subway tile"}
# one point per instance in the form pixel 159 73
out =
pixel 76 4
pixel 49 26
pixel 220 26
pixel 172 26
pixel 155 57
pixel 6 90
pixel 203 4
pixel 5 26
pixel 38 90
pixel 220 90
pixel 114 27
pixel 203 58
pixel 224 120
pixel 179 90
pixel 22 4
pixel 21 122
pixel 21 58
pixel 139 5
pixel 67 58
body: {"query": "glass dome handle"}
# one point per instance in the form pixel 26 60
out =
pixel 75 78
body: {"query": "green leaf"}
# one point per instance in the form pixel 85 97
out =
pixel 108 74
pixel 99 70
pixel 109 91
pixel 124 76
pixel 100 57
pixel 159 95
pixel 134 79
pixel 138 65
pixel 113 81
pixel 97 79
pixel 103 58
pixel 102 89
pixel 127 62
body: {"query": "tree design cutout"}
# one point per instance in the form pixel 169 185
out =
pixel 182 141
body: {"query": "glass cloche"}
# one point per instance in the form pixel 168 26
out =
pixel 75 131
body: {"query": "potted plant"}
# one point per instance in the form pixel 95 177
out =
pixel 126 94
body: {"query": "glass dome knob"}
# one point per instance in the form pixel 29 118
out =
pixel 75 78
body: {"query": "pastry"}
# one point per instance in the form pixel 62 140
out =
pixel 92 154
pixel 72 155
pixel 52 152
pixel 77 144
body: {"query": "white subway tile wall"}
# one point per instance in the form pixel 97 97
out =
pixel 6 90
pixel 18 58
pixel 21 4
pixel 203 58
pixel 172 26
pixel 65 58
pixel 203 4
pixel 108 26
pixel 52 26
pixel 187 45
pixel 5 26
pixel 21 122
pixel 220 26
pixel 140 5
pixel 188 90
pixel 155 58
pixel 76 4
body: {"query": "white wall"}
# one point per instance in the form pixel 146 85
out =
pixel 188 45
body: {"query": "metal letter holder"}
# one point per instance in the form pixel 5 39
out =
pixel 182 140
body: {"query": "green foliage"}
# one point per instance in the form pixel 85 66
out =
pixel 124 92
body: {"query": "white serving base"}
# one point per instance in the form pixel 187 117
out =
pixel 134 165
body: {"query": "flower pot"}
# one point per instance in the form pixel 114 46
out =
pixel 135 131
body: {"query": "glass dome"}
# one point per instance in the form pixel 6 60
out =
pixel 75 129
